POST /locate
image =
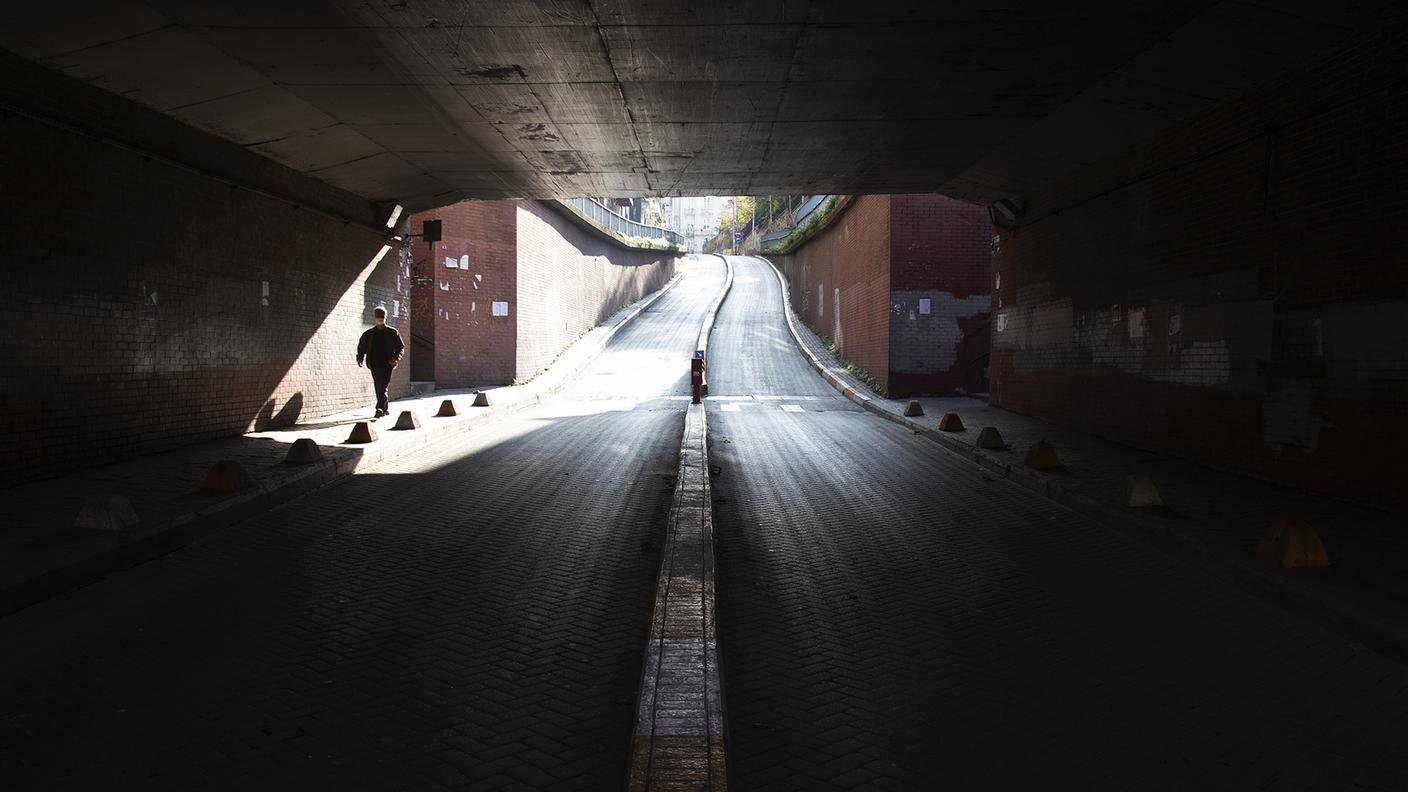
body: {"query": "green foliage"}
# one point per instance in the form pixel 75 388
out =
pixel 814 220
pixel 745 205
pixel 854 370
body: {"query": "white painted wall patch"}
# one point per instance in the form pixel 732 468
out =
pixel 1136 323
pixel 836 317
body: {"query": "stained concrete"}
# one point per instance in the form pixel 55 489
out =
pixel 429 101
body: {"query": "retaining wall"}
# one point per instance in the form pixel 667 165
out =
pixel 155 305
pixel 910 275
pixel 552 279
pixel 1234 291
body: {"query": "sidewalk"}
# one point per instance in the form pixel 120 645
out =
pixel 42 553
pixel 1214 516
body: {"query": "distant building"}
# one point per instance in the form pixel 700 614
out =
pixel 696 217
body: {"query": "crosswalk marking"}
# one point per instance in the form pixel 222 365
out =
pixel 737 406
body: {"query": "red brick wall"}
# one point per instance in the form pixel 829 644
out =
pixel 559 280
pixel 1236 290
pixel 471 346
pixel 937 242
pixel 570 279
pixel 136 288
pixel 940 294
pixel 852 255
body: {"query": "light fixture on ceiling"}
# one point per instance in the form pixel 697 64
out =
pixel 1006 212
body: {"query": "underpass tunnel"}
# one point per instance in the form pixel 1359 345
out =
pixel 1186 169
pixel 1161 240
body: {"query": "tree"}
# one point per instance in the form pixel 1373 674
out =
pixel 744 205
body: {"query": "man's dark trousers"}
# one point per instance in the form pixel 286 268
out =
pixel 381 380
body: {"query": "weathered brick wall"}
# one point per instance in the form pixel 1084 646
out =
pixel 1236 290
pixel 848 263
pixel 940 294
pixel 570 279
pixel 473 266
pixel 138 291
pixel 556 280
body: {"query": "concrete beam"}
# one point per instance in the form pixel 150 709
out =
pixel 429 101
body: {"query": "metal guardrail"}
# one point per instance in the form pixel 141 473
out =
pixel 809 207
pixel 802 213
pixel 605 218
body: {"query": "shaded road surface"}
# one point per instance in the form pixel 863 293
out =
pixel 470 618
pixel 891 618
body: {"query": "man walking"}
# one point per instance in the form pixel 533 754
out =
pixel 381 348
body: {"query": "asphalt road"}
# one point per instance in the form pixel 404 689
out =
pixel 890 617
pixel 470 617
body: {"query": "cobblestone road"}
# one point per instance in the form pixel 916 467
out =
pixel 891 618
pixel 471 617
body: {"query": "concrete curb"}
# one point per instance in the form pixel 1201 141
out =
pixel 680 735
pixel 1371 632
pixel 708 326
pixel 165 537
pixel 702 345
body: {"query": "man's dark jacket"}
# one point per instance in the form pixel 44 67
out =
pixel 381 345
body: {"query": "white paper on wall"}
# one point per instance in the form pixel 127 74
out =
pixel 924 304
pixel 500 308
pixel 464 262
pixel 451 263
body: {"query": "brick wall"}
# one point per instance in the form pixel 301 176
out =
pixel 1236 290
pixel 570 279
pixel 848 263
pixel 913 273
pixel 940 294
pixel 556 280
pixel 139 291
pixel 461 344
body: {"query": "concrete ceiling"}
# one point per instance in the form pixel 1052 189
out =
pixel 428 101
